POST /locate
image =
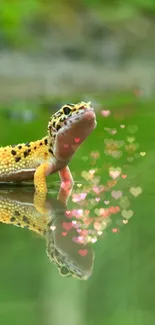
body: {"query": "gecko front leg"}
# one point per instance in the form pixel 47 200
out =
pixel 66 186
pixel 66 176
pixel 40 186
pixel 44 170
pixel 40 177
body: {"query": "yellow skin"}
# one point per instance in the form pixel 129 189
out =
pixel 67 129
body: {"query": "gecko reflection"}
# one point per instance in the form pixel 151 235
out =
pixel 19 207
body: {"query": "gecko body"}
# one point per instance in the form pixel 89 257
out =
pixel 67 130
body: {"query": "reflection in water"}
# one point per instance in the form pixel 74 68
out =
pixel 19 207
pixel 70 229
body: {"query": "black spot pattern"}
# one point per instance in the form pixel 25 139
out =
pixel 17 213
pixel 12 219
pixel 17 159
pixel 13 152
pixel 58 127
pixel 25 219
pixel 26 153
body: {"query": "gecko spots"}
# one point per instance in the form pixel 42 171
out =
pixel 25 219
pixel 19 147
pixel 45 141
pixel 17 159
pixel 58 127
pixel 13 152
pixel 26 153
pixel 51 151
pixel 35 148
pixel 40 143
pixel 17 213
pixel 12 219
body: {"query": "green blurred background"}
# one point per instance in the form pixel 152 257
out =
pixel 52 52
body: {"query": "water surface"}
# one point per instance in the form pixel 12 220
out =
pixel 117 224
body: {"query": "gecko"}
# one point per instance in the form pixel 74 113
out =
pixel 17 208
pixel 67 130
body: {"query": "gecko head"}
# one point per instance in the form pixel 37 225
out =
pixel 70 126
pixel 66 258
pixel 71 114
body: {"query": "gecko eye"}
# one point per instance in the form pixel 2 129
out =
pixel 66 110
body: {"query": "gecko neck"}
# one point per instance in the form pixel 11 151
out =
pixel 51 138
pixel 51 145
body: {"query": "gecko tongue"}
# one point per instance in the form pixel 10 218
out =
pixel 69 140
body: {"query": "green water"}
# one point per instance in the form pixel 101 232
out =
pixel 121 287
